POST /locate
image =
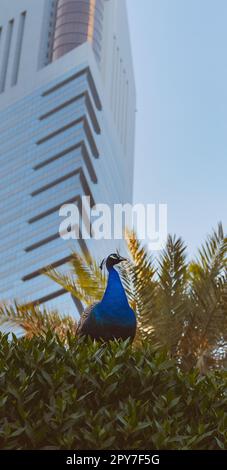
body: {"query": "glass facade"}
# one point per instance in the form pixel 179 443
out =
pixel 61 137
pixel 42 166
pixel 78 21
pixel 53 147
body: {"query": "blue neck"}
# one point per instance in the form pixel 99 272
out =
pixel 114 293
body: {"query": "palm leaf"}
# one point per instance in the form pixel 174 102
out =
pixel 172 299
pixel 36 321
pixel 142 284
pixel 85 281
pixel 206 328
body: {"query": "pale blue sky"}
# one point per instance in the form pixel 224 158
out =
pixel 180 60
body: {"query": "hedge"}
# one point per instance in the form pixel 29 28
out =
pixel 89 395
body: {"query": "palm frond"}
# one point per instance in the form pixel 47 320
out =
pixel 207 323
pixel 172 299
pixel 85 280
pixel 212 257
pixel 142 284
pixel 36 321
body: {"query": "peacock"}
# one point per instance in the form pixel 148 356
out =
pixel 112 317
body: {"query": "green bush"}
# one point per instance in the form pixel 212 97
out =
pixel 92 396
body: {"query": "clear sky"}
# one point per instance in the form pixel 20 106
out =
pixel 180 60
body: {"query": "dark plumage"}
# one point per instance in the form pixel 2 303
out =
pixel 112 317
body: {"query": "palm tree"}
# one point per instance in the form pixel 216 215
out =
pixel 181 306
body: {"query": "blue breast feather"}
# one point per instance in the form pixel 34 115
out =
pixel 114 308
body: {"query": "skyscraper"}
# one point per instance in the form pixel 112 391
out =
pixel 67 117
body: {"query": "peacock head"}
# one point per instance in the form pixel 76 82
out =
pixel 111 260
